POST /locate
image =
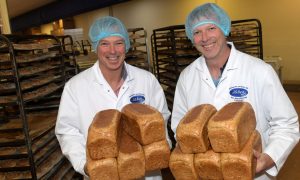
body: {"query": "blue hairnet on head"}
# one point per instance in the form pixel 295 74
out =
pixel 208 13
pixel 105 27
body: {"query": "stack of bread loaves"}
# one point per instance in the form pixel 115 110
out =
pixel 127 144
pixel 216 144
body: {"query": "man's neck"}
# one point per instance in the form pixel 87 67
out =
pixel 217 65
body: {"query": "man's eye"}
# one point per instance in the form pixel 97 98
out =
pixel 212 28
pixel 196 32
pixel 119 43
pixel 104 44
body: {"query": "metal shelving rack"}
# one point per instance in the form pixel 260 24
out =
pixel 69 55
pixel 138 53
pixel 247 36
pixel 32 77
pixel 172 52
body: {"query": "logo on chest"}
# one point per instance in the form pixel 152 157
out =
pixel 137 98
pixel 238 93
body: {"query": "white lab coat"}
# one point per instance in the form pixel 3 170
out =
pixel 88 93
pixel 248 79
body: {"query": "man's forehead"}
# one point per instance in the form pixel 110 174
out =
pixel 205 26
pixel 112 38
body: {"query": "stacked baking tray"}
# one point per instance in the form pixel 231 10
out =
pixel 32 77
pixel 138 52
pixel 71 66
pixel 172 52
pixel 247 36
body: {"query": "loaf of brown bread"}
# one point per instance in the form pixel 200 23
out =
pixel 103 134
pixel 144 123
pixel 230 128
pixel 208 165
pixel 157 155
pixel 191 133
pixel 131 159
pixel 103 169
pixel 242 165
pixel 182 165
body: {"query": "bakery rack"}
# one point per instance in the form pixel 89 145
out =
pixel 32 76
pixel 71 65
pixel 247 36
pixel 138 53
pixel 172 52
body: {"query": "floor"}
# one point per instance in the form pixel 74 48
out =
pixel 290 170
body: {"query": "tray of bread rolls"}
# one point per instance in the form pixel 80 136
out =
pixel 28 83
pixel 5 58
pixel 32 95
pixel 27 71
pixel 14 152
pixel 38 126
pixel 33 46
pixel 51 164
pixel 35 57
pixel 19 160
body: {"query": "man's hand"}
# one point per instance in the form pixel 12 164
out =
pixel 264 161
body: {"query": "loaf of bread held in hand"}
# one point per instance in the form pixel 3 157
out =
pixel 157 155
pixel 182 165
pixel 230 128
pixel 102 169
pixel 131 159
pixel 144 123
pixel 191 133
pixel 103 135
pixel 208 165
pixel 242 165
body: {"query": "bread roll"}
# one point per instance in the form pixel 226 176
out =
pixel 242 165
pixel 103 138
pixel 157 155
pixel 191 133
pixel 208 165
pixel 230 128
pixel 131 159
pixel 144 123
pixel 182 165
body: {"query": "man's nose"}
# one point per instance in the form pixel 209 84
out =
pixel 204 36
pixel 112 48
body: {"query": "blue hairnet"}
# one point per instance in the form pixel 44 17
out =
pixel 208 13
pixel 105 27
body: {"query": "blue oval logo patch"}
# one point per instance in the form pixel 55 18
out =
pixel 137 99
pixel 238 92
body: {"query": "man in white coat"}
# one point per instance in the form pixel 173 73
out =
pixel 223 75
pixel 110 84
